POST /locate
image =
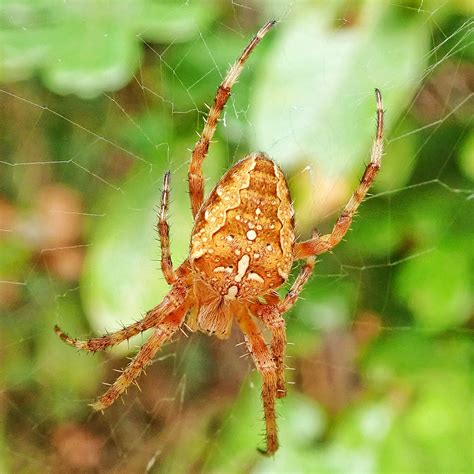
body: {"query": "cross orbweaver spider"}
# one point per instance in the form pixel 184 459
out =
pixel 242 249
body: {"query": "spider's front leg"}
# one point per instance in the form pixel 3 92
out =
pixel 164 233
pixel 195 176
pixel 266 366
pixel 322 244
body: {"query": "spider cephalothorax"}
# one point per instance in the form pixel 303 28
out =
pixel 242 249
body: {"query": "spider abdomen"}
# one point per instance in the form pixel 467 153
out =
pixel 242 242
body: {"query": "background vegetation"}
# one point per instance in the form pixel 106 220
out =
pixel 98 99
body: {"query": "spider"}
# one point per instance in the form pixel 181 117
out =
pixel 242 249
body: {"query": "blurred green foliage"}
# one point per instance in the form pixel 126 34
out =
pixel 88 47
pixel 100 98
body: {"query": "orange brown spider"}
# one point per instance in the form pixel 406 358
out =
pixel 242 249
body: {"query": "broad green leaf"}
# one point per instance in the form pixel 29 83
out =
pixel 399 159
pixel 88 47
pixel 436 287
pixel 426 383
pixel 375 232
pixel 94 65
pixel 315 101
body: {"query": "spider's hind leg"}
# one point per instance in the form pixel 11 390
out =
pixel 265 364
pixel 163 332
pixel 271 314
pixel 152 318
pixel 103 342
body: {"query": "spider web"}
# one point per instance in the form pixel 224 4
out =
pixel 80 184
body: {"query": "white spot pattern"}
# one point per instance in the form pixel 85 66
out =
pixel 256 277
pixel 231 293
pixel 251 235
pixel 242 267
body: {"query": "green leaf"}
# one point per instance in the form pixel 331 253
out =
pixel 96 65
pixel 90 46
pixel 426 383
pixel 375 232
pixel 315 99
pixel 398 161
pixel 436 287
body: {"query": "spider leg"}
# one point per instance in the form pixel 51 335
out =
pixel 271 315
pixel 195 176
pixel 164 232
pixel 164 331
pixel 266 366
pixel 151 319
pixel 103 342
pixel 298 285
pixel 322 244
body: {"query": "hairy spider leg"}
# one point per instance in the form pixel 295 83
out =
pixel 195 176
pixel 271 316
pixel 321 244
pixel 297 287
pixel 108 340
pixel 164 232
pixel 163 332
pixel 151 319
pixel 266 366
